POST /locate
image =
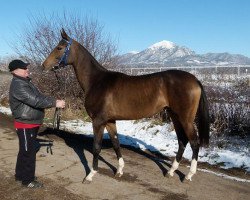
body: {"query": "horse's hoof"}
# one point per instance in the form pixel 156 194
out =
pixel 118 175
pixel 85 181
pixel 186 179
pixel 168 175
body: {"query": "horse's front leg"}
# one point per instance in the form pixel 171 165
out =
pixel 98 129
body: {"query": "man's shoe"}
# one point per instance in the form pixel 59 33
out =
pixel 18 180
pixel 34 184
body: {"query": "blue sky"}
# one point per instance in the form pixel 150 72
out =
pixel 202 25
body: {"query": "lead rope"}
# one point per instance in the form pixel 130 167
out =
pixel 56 125
pixel 57 119
pixel 57 114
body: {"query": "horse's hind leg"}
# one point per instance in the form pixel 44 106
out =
pixel 111 128
pixel 194 143
pixel 182 141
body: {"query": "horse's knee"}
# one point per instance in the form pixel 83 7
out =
pixel 96 149
pixel 97 145
pixel 115 143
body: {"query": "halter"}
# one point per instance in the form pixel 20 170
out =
pixel 63 61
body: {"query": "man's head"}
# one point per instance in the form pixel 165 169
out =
pixel 19 68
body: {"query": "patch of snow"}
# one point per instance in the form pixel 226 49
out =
pixel 5 110
pixel 133 52
pixel 223 63
pixel 225 176
pixel 163 44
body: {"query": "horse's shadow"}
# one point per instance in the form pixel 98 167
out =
pixel 46 143
pixel 80 143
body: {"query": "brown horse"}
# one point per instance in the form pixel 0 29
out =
pixel 111 96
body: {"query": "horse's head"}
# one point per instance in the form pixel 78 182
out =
pixel 61 55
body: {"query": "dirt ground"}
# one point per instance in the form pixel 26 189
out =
pixel 63 171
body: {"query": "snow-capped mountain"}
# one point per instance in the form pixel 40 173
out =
pixel 166 53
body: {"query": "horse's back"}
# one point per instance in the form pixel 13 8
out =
pixel 169 76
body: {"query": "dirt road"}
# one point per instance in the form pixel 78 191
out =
pixel 63 172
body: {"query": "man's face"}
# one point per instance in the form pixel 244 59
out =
pixel 22 72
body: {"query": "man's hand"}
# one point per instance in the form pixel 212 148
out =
pixel 60 103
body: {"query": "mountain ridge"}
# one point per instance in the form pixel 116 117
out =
pixel 167 54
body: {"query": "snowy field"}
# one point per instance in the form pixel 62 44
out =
pixel 142 134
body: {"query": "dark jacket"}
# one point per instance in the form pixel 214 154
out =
pixel 26 102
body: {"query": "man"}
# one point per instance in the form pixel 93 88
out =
pixel 27 105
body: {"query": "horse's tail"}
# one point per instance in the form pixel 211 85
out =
pixel 203 118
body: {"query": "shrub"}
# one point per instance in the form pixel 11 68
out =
pixel 229 106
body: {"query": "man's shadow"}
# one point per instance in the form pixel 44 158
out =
pixel 80 143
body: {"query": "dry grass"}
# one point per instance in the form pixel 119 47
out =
pixel 67 114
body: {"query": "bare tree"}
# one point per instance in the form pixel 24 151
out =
pixel 41 35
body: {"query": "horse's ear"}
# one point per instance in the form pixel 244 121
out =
pixel 64 35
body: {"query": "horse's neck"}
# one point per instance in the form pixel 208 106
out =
pixel 87 69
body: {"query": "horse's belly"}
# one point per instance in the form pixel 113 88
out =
pixel 137 104
pixel 137 111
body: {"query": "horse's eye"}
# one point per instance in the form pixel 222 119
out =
pixel 59 48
